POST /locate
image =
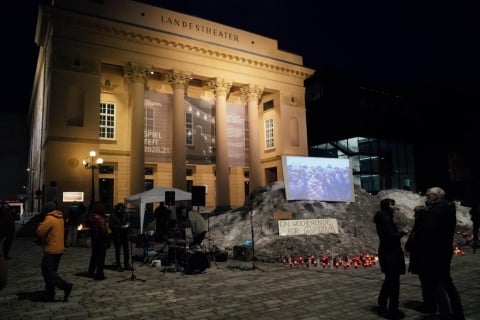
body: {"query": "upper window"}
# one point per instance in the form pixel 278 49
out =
pixel 149 119
pixel 269 138
pixel 189 128
pixel 107 121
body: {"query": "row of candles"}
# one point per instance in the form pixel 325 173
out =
pixel 458 251
pixel 327 261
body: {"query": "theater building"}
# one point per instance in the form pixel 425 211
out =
pixel 165 99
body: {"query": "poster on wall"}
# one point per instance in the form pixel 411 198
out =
pixel 199 130
pixel 321 179
pixel 157 136
pixel 236 131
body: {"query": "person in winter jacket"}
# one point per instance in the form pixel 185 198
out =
pixel 51 232
pixel 391 258
pixel 119 223
pixel 96 222
pixel 415 246
pixel 438 234
pixel 475 217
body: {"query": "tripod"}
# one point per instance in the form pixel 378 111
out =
pixel 254 266
pixel 133 277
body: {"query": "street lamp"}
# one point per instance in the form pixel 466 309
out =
pixel 91 163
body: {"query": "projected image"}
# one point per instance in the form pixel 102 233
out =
pixel 322 179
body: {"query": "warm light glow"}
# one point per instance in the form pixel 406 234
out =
pixel 99 161
pixel 93 153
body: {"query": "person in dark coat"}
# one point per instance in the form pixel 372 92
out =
pixel 11 215
pixel 162 219
pixel 119 223
pixel 417 265
pixel 96 221
pixel 391 258
pixel 73 220
pixel 439 231
pixel 4 224
pixel 475 217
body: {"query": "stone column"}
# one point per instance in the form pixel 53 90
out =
pixel 221 89
pixel 252 94
pixel 179 83
pixel 138 76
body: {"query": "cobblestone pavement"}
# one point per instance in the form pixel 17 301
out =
pixel 227 290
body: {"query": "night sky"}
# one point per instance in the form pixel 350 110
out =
pixel 394 46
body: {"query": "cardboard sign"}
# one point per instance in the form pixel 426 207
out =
pixel 307 227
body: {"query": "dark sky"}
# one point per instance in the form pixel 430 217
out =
pixel 394 46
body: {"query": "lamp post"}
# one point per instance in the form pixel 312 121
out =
pixel 92 163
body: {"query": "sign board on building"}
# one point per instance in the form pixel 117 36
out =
pixel 307 227
pixel 73 196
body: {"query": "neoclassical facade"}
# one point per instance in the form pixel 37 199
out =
pixel 165 99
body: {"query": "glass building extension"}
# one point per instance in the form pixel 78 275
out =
pixel 377 164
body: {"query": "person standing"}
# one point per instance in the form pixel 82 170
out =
pixel 415 247
pixel 162 219
pixel 391 258
pixel 119 223
pixel 475 217
pixel 4 223
pixel 96 221
pixel 439 231
pixel 73 220
pixel 11 216
pixel 51 231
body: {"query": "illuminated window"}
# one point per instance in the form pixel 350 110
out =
pixel 107 121
pixel 149 119
pixel 189 128
pixel 269 138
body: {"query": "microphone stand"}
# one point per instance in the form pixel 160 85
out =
pixel 133 277
pixel 254 266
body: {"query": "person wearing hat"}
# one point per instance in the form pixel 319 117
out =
pixel 51 233
pixel 96 221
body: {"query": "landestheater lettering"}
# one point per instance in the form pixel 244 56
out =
pixel 199 28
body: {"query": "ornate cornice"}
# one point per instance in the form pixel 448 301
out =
pixel 267 64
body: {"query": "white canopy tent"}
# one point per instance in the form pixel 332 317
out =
pixel 156 194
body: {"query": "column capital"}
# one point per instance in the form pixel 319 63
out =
pixel 136 73
pixel 220 87
pixel 178 80
pixel 252 92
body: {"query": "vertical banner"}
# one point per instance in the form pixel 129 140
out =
pixel 199 130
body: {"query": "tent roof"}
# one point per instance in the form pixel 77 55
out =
pixel 157 194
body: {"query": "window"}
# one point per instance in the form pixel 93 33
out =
pixel 107 121
pixel 269 138
pixel 189 128
pixel 268 105
pixel 247 132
